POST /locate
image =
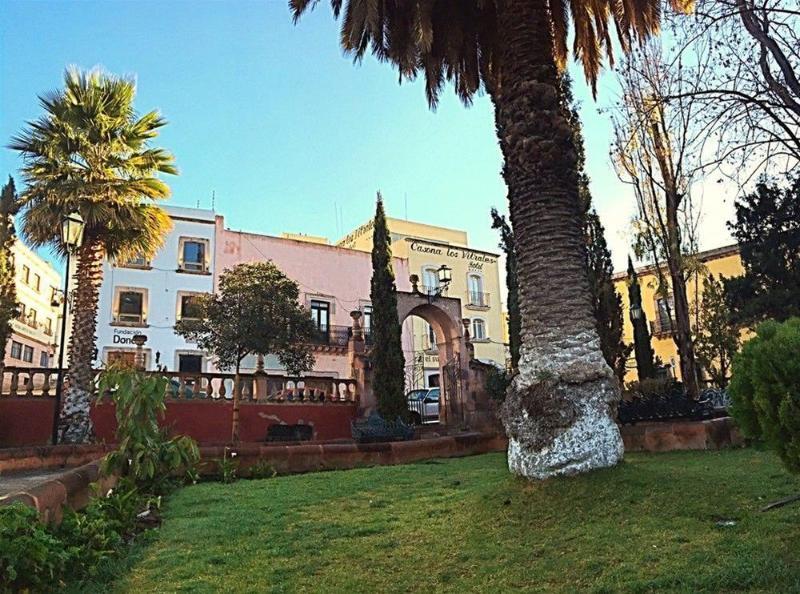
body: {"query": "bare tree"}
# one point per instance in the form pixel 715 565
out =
pixel 657 149
pixel 751 91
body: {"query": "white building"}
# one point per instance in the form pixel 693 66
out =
pixel 35 332
pixel 148 298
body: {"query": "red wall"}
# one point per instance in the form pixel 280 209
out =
pixel 28 421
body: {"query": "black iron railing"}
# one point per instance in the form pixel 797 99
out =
pixel 661 326
pixel 477 299
pixel 331 335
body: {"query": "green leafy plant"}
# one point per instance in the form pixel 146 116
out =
pixel 765 388
pixel 261 470
pixel 145 454
pixel 31 557
pixel 497 382
pixel 228 466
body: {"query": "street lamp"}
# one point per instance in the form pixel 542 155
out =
pixel 636 311
pixel 445 274
pixel 71 238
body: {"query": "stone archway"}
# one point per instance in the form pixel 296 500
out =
pixel 444 316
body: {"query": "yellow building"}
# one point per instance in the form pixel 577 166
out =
pixel 476 281
pixel 34 338
pixel 721 262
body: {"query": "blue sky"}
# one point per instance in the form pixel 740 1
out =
pixel 274 120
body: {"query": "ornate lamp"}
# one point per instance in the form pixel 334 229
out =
pixel 72 231
pixel 445 274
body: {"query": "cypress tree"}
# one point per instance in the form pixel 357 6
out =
pixel 514 316
pixel 645 358
pixel 388 364
pixel 606 302
pixel 9 206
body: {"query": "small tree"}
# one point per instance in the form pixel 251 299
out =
pixel 717 339
pixel 255 312
pixel 514 316
pixel 767 227
pixel 765 387
pixel 606 302
pixel 645 358
pixel 9 206
pixel 388 363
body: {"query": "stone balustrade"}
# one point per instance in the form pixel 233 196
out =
pixel 253 387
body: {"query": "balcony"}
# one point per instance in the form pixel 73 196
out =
pixel 335 336
pixel 662 327
pixel 35 330
pixel 476 300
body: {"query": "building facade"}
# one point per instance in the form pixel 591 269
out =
pixel 35 331
pixel 475 281
pixel 333 282
pixel 148 297
pixel 721 262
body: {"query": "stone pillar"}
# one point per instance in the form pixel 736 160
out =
pixel 139 360
pixel 359 366
pixel 260 380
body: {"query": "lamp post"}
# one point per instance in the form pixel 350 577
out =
pixel 72 238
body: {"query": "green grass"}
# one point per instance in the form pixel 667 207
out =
pixel 466 525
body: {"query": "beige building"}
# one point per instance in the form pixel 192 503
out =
pixel 34 339
pixel 721 262
pixel 475 280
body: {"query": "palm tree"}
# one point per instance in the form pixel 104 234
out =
pixel 90 152
pixel 558 412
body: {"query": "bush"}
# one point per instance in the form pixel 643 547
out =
pixel 656 387
pixel 497 382
pixel 31 557
pixel 765 388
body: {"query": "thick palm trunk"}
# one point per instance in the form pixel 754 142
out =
pixel 559 410
pixel 75 425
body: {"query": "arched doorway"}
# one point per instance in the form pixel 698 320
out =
pixel 443 316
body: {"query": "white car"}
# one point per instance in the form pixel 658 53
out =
pixel 423 404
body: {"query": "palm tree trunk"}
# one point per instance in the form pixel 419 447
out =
pixel 75 425
pixel 559 410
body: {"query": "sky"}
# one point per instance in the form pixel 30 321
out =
pixel 285 131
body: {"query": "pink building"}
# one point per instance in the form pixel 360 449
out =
pixel 333 282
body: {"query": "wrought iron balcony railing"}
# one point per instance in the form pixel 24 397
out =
pixel 661 326
pixel 331 335
pixel 476 299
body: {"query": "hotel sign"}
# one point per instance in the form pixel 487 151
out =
pixel 475 259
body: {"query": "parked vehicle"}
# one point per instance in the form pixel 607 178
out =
pixel 424 405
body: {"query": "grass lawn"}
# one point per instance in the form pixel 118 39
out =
pixel 655 522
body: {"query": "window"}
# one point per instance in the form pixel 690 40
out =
pixel 193 254
pixel 190 363
pixel 130 306
pixel 27 354
pixel 31 317
pixel 432 346
pixel 665 311
pixel 189 307
pixel 475 288
pixel 26 274
pixel 367 311
pixel 48 326
pixel 321 314
pixel 55 297
pixel 21 312
pixel 430 280
pixel 16 350
pixel 478 329
pixel 37 282
pixel 135 262
pixel 44 359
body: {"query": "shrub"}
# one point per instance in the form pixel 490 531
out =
pixel 145 453
pixel 497 382
pixel 765 388
pixel 31 557
pixel 656 387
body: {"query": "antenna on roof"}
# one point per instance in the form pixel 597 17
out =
pixel 405 201
pixel 213 198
